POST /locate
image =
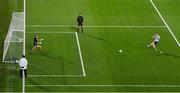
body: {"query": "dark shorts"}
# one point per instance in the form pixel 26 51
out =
pixel 35 44
pixel 80 24
pixel 156 42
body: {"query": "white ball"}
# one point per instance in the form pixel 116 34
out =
pixel 120 51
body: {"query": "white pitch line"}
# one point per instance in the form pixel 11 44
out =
pixel 172 86
pixel 67 26
pixel 17 30
pixel 169 29
pixel 55 76
pixel 51 32
pixel 90 92
pixel 80 54
pixel 14 41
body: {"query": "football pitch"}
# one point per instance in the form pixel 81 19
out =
pixel 90 61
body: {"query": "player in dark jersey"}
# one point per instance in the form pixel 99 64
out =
pixel 80 20
pixel 35 43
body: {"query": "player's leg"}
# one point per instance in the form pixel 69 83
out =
pixel 81 25
pixel 20 73
pixel 154 46
pixel 38 46
pixel 82 30
pixel 25 72
pixel 151 44
pixel 78 27
pixel 34 47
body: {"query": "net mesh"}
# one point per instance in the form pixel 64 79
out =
pixel 13 44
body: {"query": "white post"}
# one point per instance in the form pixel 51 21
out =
pixel 24 47
pixel 24 43
pixel 23 81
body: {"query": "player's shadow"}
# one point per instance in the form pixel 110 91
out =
pixel 74 28
pixel 170 54
pixel 55 56
pixel 46 54
pixel 97 38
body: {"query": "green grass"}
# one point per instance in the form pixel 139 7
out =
pixel 55 55
pixel 137 65
pixel 6 8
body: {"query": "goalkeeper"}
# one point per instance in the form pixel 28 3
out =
pixel 36 45
pixel 80 23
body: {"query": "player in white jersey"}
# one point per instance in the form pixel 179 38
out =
pixel 156 40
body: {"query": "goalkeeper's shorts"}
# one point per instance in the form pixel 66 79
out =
pixel 80 24
pixel 35 44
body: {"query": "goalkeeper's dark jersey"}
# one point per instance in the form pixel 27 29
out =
pixel 80 19
pixel 35 41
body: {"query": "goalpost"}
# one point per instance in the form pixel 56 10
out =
pixel 14 44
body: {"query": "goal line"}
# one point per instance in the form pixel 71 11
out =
pixel 163 86
pixel 56 76
pixel 100 26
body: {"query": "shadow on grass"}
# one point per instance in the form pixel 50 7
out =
pixel 97 38
pixel 170 54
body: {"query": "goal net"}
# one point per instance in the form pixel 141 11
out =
pixel 14 44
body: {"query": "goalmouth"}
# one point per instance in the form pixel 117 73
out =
pixel 14 44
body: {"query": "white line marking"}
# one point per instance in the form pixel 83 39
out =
pixel 165 22
pixel 67 26
pixel 80 54
pixel 55 76
pixel 51 32
pixel 79 50
pixel 24 43
pixel 103 86
pixel 18 30
pixel 91 92
pixel 15 41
